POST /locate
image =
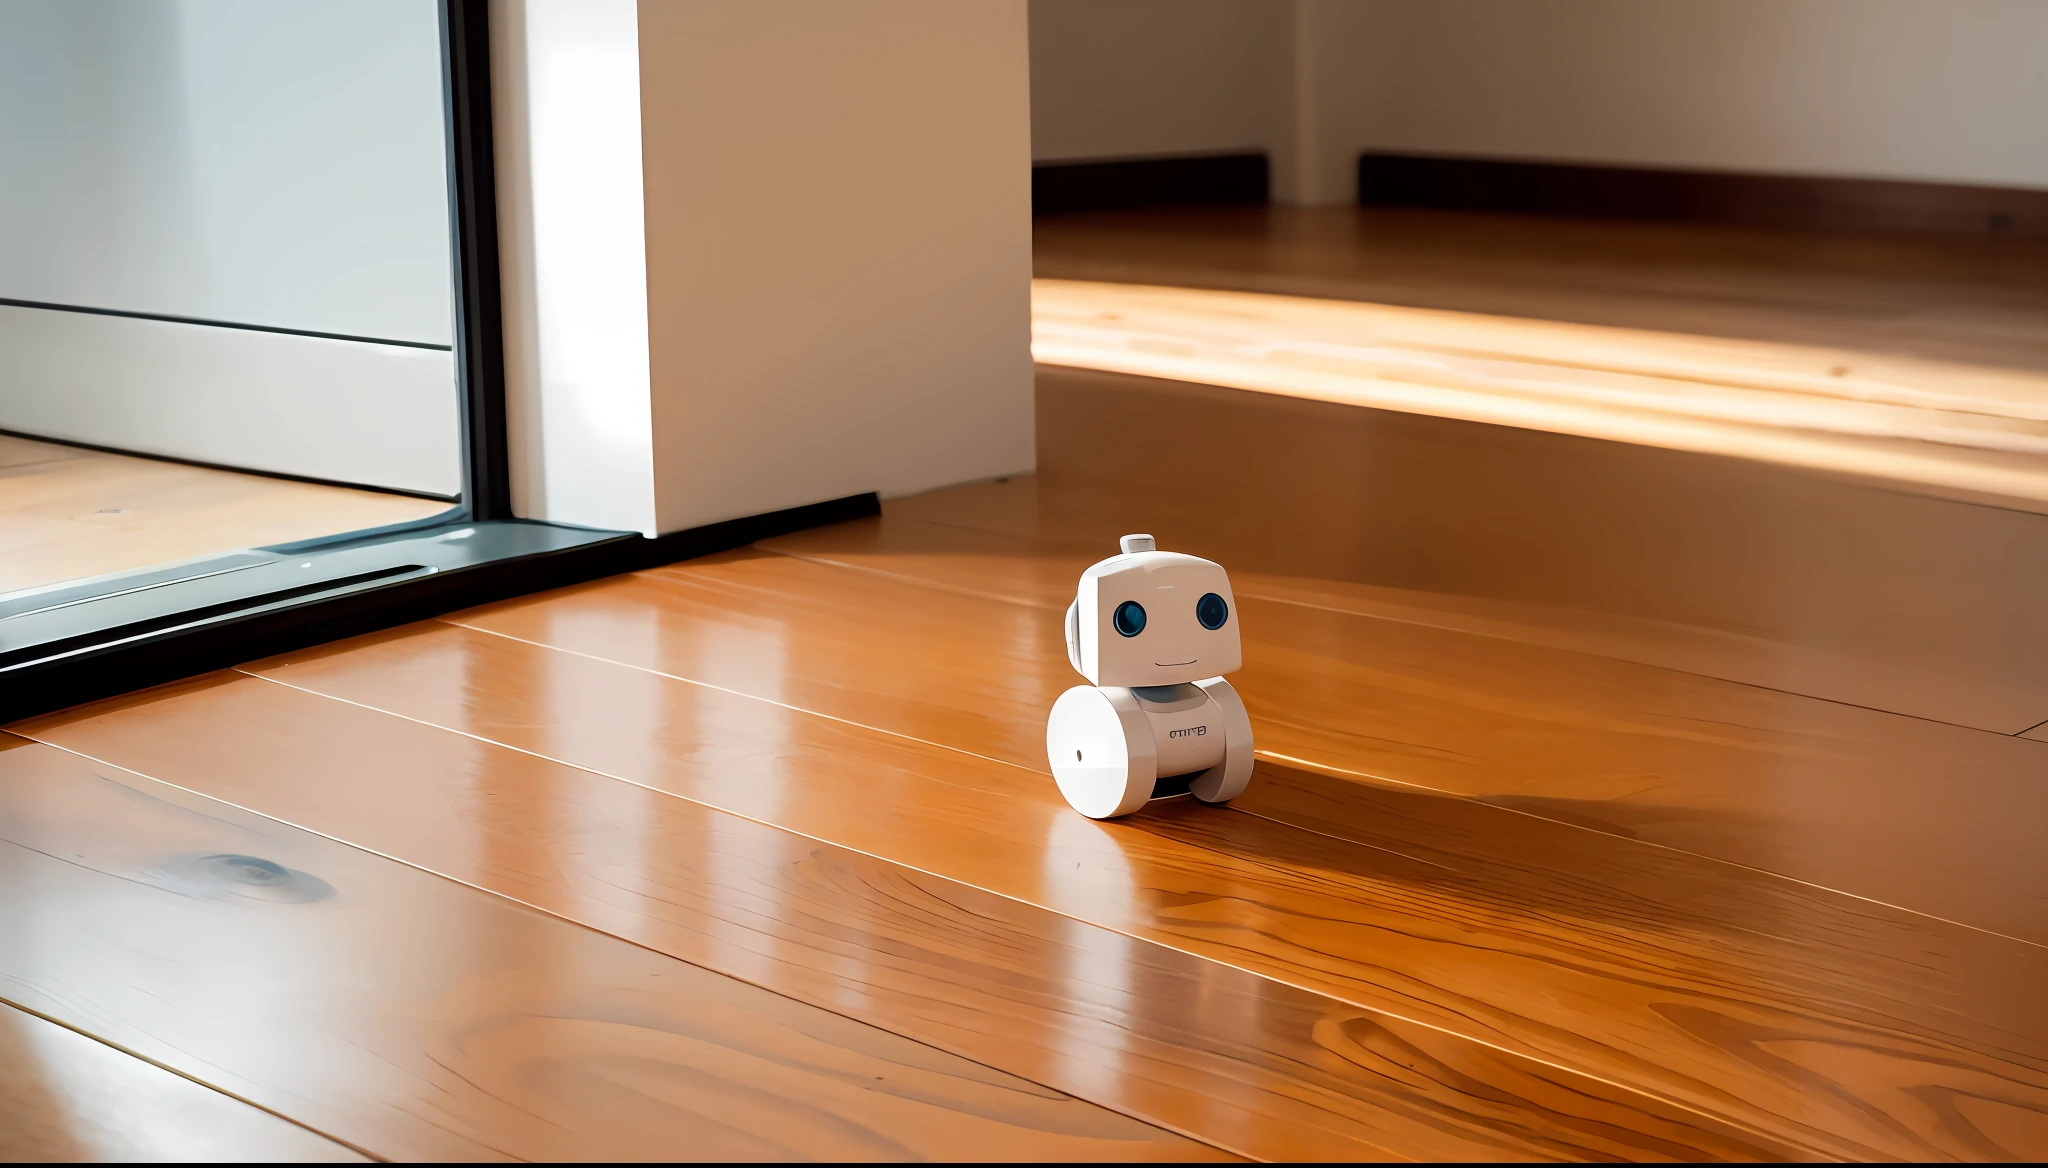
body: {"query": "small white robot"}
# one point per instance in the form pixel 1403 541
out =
pixel 1154 632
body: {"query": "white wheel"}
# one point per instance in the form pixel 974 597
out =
pixel 1101 751
pixel 1227 780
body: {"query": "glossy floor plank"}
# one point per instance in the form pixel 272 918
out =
pixel 67 512
pixel 419 1019
pixel 65 1098
pixel 1939 596
pixel 1977 431
pixel 1813 790
pixel 1769 344
pixel 1668 986
pixel 1237 1060
pixel 1022 539
pixel 1904 295
pixel 1842 586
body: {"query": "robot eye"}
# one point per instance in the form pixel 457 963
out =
pixel 1129 618
pixel 1212 611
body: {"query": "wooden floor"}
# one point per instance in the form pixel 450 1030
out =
pixel 1920 361
pixel 1795 425
pixel 66 1098
pixel 1974 301
pixel 756 856
pixel 67 513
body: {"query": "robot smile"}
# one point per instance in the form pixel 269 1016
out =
pixel 1171 664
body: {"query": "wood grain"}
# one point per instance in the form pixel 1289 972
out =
pixel 761 860
pixel 1234 1059
pixel 1936 598
pixel 1666 987
pixel 978 539
pixel 416 1018
pixel 68 513
pixel 1938 593
pixel 1978 432
pixel 67 1099
pixel 16 453
pixel 1816 791
pixel 1973 301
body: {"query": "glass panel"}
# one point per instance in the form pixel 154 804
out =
pixel 225 280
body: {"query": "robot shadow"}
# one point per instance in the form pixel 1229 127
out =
pixel 1534 865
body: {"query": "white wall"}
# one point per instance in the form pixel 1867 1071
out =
pixel 1935 90
pixel 1118 78
pixel 573 259
pixel 839 248
pixel 833 238
pixel 240 161
pixel 233 160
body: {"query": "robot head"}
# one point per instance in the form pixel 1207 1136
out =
pixel 1148 617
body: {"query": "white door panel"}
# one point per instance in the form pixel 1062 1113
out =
pixel 346 411
pixel 254 163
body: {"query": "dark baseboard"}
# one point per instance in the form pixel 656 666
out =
pixel 1746 200
pixel 557 558
pixel 1058 188
pixel 737 533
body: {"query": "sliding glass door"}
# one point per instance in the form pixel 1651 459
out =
pixel 248 335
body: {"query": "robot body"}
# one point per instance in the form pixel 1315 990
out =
pixel 1153 631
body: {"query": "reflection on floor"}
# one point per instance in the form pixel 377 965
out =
pixel 68 513
pixel 1912 359
pixel 65 1098
pixel 1606 807
pixel 757 856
